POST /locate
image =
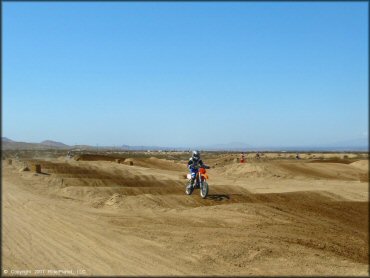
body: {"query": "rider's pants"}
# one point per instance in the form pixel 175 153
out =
pixel 193 173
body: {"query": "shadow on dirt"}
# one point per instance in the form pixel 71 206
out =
pixel 218 197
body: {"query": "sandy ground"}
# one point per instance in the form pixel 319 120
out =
pixel 268 217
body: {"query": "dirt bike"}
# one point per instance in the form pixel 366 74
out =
pixel 200 182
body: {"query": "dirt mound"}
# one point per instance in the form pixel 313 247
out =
pixel 361 164
pixel 159 163
pixel 332 160
pixel 95 157
pixel 337 171
pixel 261 218
pixel 242 170
pixel 294 169
pixel 152 162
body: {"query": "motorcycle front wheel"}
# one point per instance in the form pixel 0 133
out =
pixel 204 189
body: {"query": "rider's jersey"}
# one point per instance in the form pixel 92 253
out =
pixel 195 163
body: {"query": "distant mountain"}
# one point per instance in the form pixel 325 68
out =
pixel 8 144
pixel 51 143
pixel 4 139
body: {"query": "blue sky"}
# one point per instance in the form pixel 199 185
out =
pixel 185 74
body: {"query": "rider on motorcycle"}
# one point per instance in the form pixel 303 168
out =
pixel 194 164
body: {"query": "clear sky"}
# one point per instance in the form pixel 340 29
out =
pixel 185 74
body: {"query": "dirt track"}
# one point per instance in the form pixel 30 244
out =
pixel 261 218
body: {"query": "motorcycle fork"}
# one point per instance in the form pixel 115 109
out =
pixel 200 180
pixel 197 180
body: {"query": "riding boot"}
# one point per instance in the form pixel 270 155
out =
pixel 192 182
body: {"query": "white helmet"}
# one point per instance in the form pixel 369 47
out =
pixel 196 155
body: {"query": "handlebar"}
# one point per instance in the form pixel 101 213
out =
pixel 198 167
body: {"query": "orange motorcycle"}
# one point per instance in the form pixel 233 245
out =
pixel 199 182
